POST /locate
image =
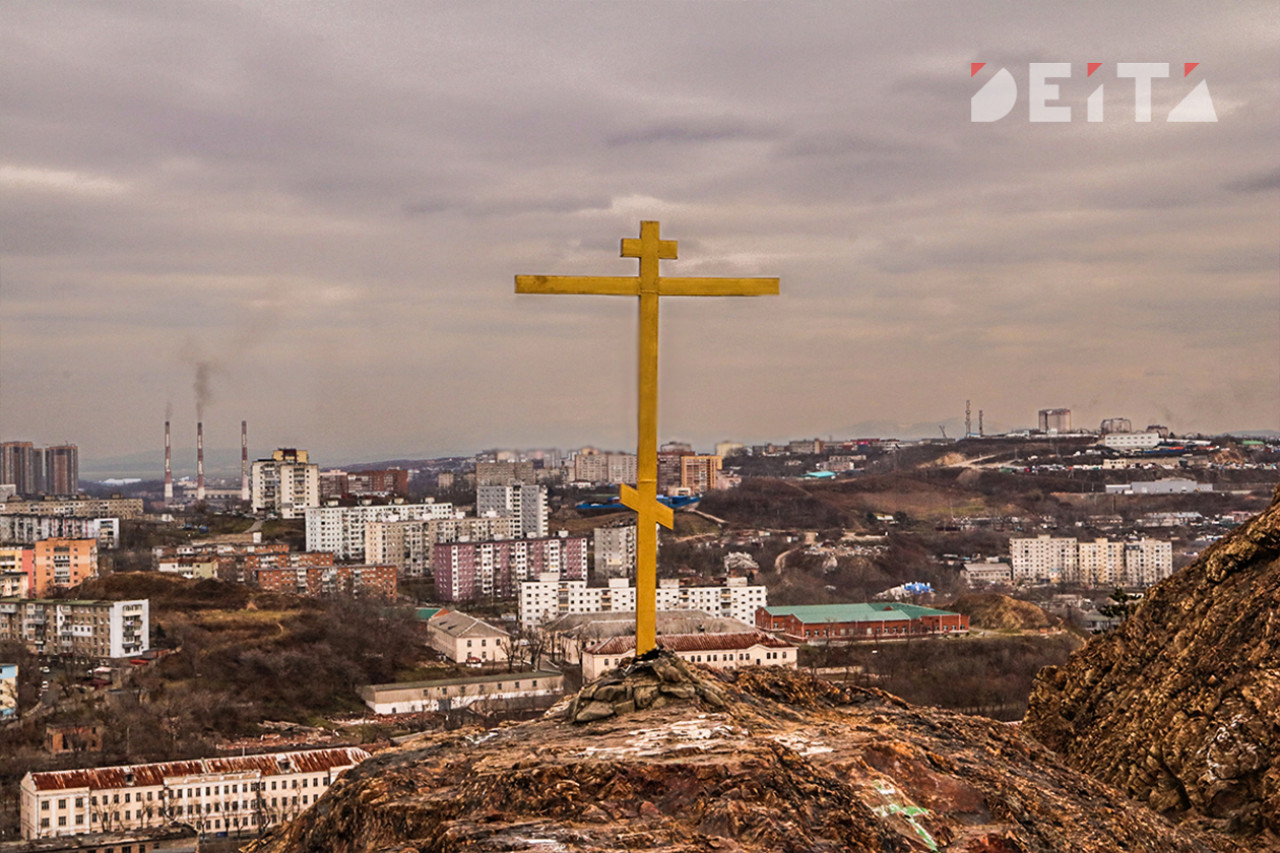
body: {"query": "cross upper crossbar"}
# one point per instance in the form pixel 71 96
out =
pixel 649 286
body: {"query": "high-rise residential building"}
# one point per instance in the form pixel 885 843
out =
pixel 700 474
pixel 62 564
pixel 22 466
pixel 525 502
pixel 340 530
pixel 475 571
pixel 62 469
pixel 614 552
pixel 286 484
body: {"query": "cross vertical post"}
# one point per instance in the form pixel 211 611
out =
pixel 649 286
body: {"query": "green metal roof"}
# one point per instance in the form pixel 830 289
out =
pixel 814 613
pixel 424 614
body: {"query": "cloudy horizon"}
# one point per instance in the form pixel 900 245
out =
pixel 309 217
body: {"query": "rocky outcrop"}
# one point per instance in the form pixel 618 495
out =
pixel 1180 706
pixel 662 755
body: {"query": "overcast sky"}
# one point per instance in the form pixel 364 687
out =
pixel 318 210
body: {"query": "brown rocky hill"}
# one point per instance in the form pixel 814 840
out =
pixel 1180 706
pixel 672 757
pixel 996 612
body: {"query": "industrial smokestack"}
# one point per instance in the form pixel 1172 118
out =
pixel 244 460
pixel 199 461
pixel 168 468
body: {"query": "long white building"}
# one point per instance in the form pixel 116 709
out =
pixel 233 794
pixel 552 596
pixel 1101 562
pixel 340 530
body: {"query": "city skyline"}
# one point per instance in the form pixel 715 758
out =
pixel 309 218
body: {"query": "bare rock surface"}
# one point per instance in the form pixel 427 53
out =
pixel 662 755
pixel 1180 706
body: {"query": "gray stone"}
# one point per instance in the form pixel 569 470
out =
pixel 593 710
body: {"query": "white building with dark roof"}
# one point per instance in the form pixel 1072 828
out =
pixel 232 794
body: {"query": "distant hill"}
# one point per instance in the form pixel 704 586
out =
pixel 995 612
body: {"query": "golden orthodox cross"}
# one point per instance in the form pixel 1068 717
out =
pixel 649 248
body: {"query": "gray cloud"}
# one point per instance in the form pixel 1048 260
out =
pixel 328 203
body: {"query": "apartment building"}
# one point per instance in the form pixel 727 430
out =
pixel 407 545
pixel 473 571
pixel 28 529
pixel 1044 559
pixel 80 507
pixel 528 503
pixel 315 581
pixel 552 596
pixel 340 530
pixel 1101 562
pixel 17 568
pixel 700 474
pixel 22 466
pixel 286 484
pixel 504 473
pixel 62 564
pixel 217 796
pixel 62 469
pixel 93 630
pixel 614 552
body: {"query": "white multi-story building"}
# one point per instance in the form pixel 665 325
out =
pixel 407 545
pixel 30 529
pixel 97 630
pixel 615 552
pixel 340 530
pixel 1097 563
pixel 1045 559
pixel 1131 440
pixel 285 484
pixel 552 596
pixel 525 502
pixel 1147 561
pixel 217 796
